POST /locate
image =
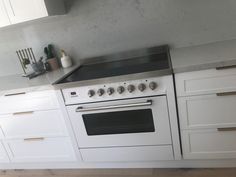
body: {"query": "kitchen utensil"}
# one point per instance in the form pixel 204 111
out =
pixel 30 56
pixel 21 62
pixel 33 55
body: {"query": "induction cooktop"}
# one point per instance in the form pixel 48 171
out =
pixel 121 64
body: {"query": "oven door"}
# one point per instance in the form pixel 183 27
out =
pixel 133 122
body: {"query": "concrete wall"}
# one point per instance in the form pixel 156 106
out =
pixel 97 27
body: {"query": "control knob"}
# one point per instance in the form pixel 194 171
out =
pixel 110 91
pixel 91 93
pixel 141 87
pixel 100 92
pixel 120 89
pixel 130 88
pixel 153 85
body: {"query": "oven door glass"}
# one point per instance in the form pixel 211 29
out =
pixel 133 121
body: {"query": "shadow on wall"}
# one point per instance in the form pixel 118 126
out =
pixel 70 3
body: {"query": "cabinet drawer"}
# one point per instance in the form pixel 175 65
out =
pixel 209 144
pixel 32 101
pixel 205 82
pixel 30 124
pixel 208 111
pixel 128 154
pixel 41 150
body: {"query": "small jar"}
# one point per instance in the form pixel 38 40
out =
pixel 66 61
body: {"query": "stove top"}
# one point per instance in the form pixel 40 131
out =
pixel 133 62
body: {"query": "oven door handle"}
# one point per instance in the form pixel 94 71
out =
pixel 147 103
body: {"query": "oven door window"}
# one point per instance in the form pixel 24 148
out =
pixel 133 121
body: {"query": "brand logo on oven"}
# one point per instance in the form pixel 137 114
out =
pixel 73 94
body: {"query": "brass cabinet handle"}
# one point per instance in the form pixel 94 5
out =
pixel 34 139
pixel 226 129
pixel 23 113
pixel 225 67
pixel 226 93
pixel 14 94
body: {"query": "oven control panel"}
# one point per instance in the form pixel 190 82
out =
pixel 118 90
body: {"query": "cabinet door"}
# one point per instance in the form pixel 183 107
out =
pixel 207 111
pixel 209 143
pixel 38 123
pixel 25 10
pixel 41 150
pixel 4 20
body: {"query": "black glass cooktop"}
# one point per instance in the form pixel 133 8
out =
pixel 149 62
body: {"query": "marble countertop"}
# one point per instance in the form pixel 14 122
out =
pixel 15 82
pixel 208 56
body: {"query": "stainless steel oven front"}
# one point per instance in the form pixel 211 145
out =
pixel 130 122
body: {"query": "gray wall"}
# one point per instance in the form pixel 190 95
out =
pixel 97 27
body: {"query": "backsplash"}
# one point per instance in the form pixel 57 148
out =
pixel 93 28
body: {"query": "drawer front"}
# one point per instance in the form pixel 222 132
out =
pixel 30 124
pixel 3 154
pixel 31 101
pixel 208 111
pixel 209 144
pixel 128 154
pixel 205 82
pixel 41 150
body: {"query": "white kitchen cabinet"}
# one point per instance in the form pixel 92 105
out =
pixel 205 82
pixel 128 154
pixel 24 102
pixel 26 10
pixel 41 149
pixel 207 111
pixel 209 144
pixel 48 123
pixel 206 103
pixel 4 19
pixel 33 128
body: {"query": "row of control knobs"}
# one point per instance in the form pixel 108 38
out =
pixel 121 89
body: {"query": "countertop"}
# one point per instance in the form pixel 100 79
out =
pixel 208 56
pixel 187 59
pixel 15 82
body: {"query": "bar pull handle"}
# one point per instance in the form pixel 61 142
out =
pixel 147 103
pixel 226 93
pixel 227 129
pixel 34 139
pixel 22 113
pixel 226 67
pixel 14 94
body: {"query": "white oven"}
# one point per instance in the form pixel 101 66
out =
pixel 122 123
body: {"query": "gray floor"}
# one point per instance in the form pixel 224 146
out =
pixel 224 172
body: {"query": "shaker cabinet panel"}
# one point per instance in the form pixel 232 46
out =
pixel 4 19
pixel 205 82
pixel 38 123
pixel 41 150
pixel 208 111
pixel 209 144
